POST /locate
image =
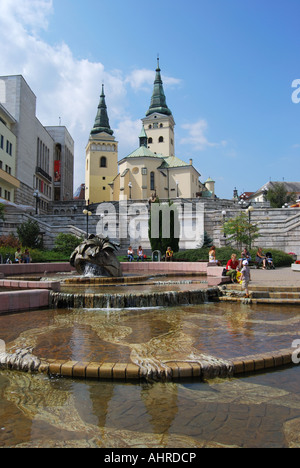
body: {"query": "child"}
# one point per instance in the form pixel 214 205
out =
pixel 246 276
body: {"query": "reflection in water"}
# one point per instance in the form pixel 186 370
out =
pixel 215 330
pixel 257 411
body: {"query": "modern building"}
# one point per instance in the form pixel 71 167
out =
pixel 63 163
pixel 153 168
pixel 36 149
pixel 8 147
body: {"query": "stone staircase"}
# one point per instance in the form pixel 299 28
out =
pixel 262 295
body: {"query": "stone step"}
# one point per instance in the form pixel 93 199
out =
pixel 275 295
pixel 292 289
pixel 261 300
pixel 272 300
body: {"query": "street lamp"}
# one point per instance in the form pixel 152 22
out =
pixel 249 211
pixel 130 189
pixel 37 200
pixel 87 213
pixel 224 219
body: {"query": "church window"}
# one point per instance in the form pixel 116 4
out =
pixel 150 126
pixel 150 140
pixel 161 125
pixel 103 162
pixel 155 125
pixel 144 171
pixel 152 181
pixel 161 139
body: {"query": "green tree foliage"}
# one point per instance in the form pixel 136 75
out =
pixel 67 243
pixel 278 196
pixel 240 230
pixel 29 234
pixel 164 227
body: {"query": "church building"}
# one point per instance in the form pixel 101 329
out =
pixel 152 169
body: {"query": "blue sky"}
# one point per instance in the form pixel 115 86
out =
pixel 227 66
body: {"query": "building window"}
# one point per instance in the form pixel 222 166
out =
pixel 144 171
pixel 161 139
pixel 150 140
pixel 9 148
pixel 152 181
pixel 103 162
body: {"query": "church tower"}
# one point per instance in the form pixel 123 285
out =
pixel 101 157
pixel 159 123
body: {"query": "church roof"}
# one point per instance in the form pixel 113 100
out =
pixel 158 100
pixel 142 151
pixel 102 121
pixel 173 161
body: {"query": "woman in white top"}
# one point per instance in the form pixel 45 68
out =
pixel 140 253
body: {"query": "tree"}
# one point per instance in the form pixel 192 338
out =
pixel 29 234
pixel 241 230
pixel 278 195
pixel 164 227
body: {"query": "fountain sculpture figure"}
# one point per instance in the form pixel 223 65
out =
pixel 96 255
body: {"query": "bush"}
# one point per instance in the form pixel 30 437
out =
pixel 66 243
pixel 223 254
pixel 9 241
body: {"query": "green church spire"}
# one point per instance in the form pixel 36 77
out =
pixel 101 121
pixel 158 100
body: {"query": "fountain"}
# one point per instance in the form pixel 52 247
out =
pixel 130 321
pixel 95 256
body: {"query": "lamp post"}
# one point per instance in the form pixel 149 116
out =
pixel 130 190
pixel 87 213
pixel 224 219
pixel 37 200
pixel 249 211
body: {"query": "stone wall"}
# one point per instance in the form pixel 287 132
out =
pixel 279 228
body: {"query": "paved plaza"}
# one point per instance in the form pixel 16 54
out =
pixel 280 277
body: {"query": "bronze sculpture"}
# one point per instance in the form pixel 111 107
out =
pixel 96 256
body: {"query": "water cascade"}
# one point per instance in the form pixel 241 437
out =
pixel 61 300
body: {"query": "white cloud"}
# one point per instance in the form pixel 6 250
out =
pixel 197 136
pixel 67 88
